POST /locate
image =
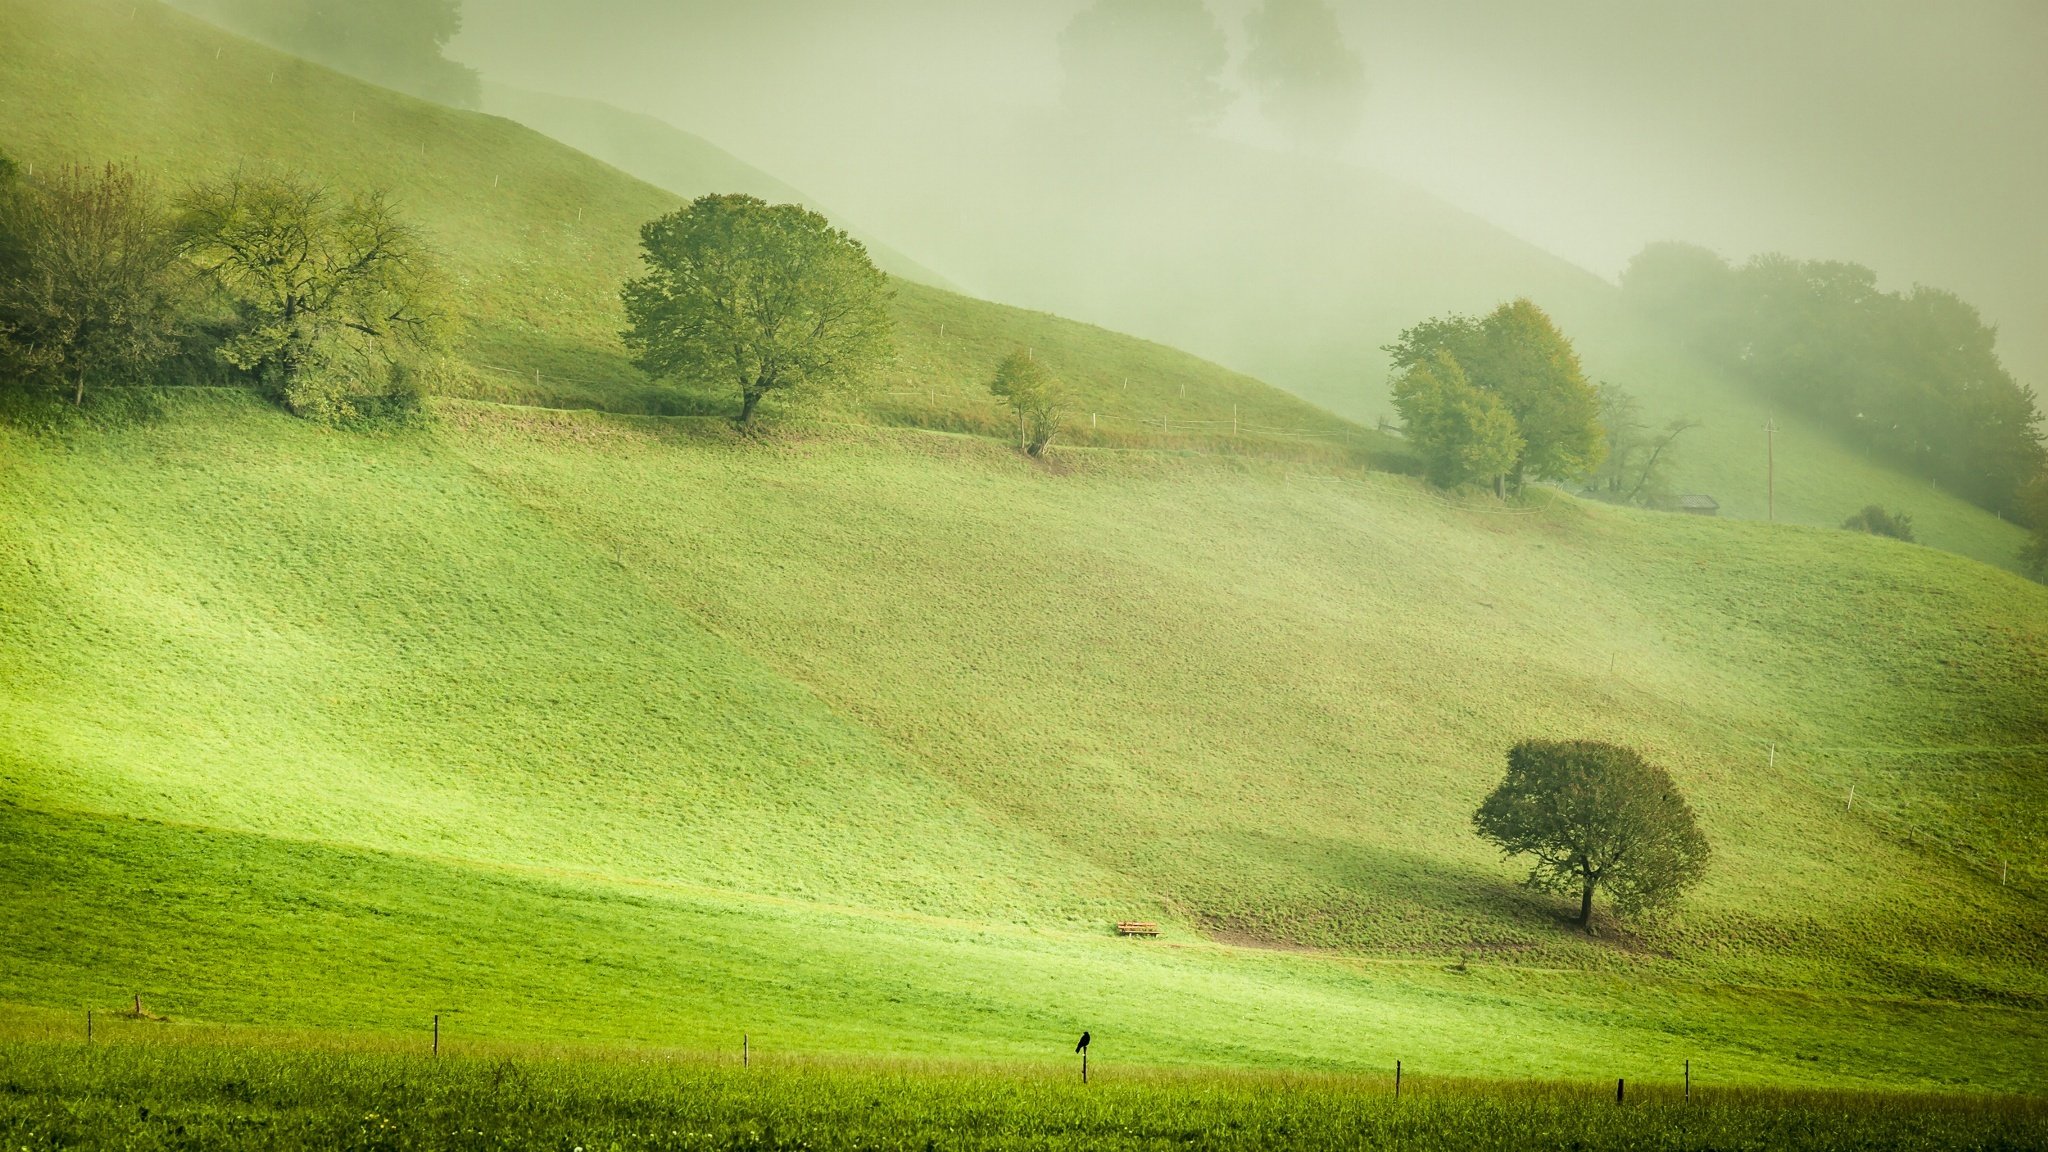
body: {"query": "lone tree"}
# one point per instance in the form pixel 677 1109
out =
pixel 1595 816
pixel 1463 434
pixel 1034 394
pixel 89 282
pixel 336 299
pixel 765 298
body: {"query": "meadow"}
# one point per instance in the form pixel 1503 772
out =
pixel 858 739
pixel 202 1093
pixel 607 734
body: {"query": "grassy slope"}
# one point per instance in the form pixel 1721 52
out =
pixel 1313 319
pixel 923 715
pixel 540 236
pixel 857 739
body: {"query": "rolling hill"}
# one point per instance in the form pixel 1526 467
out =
pixel 1296 271
pixel 857 735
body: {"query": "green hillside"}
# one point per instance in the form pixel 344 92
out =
pixel 860 739
pixel 859 734
pixel 539 237
pixel 1306 309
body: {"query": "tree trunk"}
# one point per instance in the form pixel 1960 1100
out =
pixel 78 394
pixel 748 399
pixel 1500 487
pixel 1586 907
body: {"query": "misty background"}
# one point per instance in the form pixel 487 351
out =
pixel 1499 148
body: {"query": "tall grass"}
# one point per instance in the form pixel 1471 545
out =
pixel 152 1095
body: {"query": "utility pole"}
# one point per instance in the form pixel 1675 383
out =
pixel 1771 467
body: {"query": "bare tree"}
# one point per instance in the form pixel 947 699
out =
pixel 336 298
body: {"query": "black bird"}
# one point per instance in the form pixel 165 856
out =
pixel 1083 1045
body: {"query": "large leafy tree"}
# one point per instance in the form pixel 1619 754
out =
pixel 763 298
pixel 89 278
pixel 1149 63
pixel 1517 354
pixel 1595 817
pixel 336 299
pixel 1029 389
pixel 1309 82
pixel 1463 434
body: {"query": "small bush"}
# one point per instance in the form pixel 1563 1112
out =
pixel 1878 522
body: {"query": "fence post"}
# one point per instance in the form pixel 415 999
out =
pixel 1688 1079
pixel 1397 1079
pixel 437 1033
pixel 1618 1086
pixel 88 1025
pixel 743 1049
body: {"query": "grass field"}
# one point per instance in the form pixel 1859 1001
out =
pixel 598 727
pixel 132 1092
pixel 630 731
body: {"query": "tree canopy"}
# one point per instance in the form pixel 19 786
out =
pixel 1152 63
pixel 335 299
pixel 1914 377
pixel 1595 817
pixel 763 298
pixel 1310 83
pixel 1464 434
pixel 1517 355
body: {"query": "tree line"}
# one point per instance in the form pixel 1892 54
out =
pixel 1914 377
pixel 328 302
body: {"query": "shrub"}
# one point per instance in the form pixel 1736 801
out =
pixel 1878 522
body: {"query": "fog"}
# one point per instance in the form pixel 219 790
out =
pixel 1907 136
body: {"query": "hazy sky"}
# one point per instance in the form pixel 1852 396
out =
pixel 1911 135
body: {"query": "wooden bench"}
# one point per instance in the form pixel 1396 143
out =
pixel 1136 928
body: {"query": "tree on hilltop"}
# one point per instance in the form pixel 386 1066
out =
pixel 765 298
pixel 89 278
pixel 336 299
pixel 1310 83
pixel 1030 390
pixel 1463 434
pixel 1595 817
pixel 1146 63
